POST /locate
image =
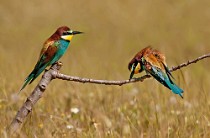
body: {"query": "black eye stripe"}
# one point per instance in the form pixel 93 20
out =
pixel 67 33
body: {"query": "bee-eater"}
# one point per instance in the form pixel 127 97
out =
pixel 53 49
pixel 153 62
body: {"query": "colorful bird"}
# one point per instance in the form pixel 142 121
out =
pixel 153 62
pixel 53 49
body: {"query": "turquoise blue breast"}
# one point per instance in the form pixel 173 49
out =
pixel 62 47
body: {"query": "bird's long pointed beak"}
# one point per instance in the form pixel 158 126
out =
pixel 133 67
pixel 131 75
pixel 76 32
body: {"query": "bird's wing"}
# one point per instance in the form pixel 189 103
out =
pixel 150 58
pixel 157 60
pixel 167 71
pixel 160 57
pixel 45 60
pixel 154 67
pixel 160 72
pixel 156 72
pixel 45 46
pixel 42 63
pixel 162 62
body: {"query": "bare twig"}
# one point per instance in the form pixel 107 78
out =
pixel 190 62
pixel 105 82
pixel 54 74
pixel 117 82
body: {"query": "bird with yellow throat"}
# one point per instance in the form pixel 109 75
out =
pixel 154 63
pixel 53 49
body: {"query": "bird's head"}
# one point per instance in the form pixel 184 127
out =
pixel 134 68
pixel 66 33
pixel 136 64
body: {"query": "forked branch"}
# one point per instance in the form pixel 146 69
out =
pixel 54 74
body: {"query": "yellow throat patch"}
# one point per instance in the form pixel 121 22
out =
pixel 67 37
pixel 137 68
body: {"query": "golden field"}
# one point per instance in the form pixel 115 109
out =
pixel 114 32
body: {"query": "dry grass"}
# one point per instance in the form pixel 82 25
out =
pixel 114 32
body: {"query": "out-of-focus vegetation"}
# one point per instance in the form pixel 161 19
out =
pixel 114 32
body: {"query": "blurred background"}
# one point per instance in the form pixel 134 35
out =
pixel 114 32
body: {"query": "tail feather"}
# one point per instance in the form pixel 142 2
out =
pixel 37 73
pixel 166 81
pixel 33 75
pixel 175 89
pixel 27 80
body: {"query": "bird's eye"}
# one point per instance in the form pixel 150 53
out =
pixel 65 33
pixel 156 55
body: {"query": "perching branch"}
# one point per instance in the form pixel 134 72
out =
pixel 54 74
pixel 189 62
pixel 33 98
pixel 107 82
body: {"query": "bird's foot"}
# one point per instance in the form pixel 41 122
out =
pixel 56 65
pixel 59 63
pixel 45 70
pixel 134 78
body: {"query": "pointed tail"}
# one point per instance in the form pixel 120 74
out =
pixel 175 89
pixel 27 80
pixel 32 76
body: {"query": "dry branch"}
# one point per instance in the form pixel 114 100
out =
pixel 190 62
pixel 107 82
pixel 54 74
pixel 33 98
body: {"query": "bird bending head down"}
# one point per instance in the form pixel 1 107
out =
pixel 154 63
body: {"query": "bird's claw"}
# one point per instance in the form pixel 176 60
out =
pixel 45 70
pixel 134 78
pixel 59 63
